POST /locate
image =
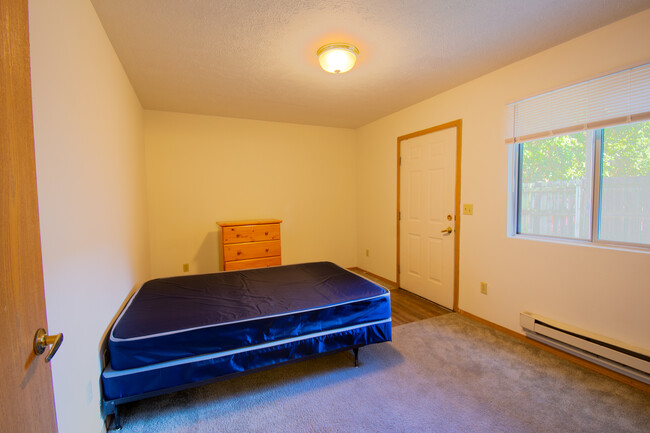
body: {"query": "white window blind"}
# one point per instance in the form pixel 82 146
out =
pixel 614 99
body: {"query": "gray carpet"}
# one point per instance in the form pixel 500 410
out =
pixel 446 374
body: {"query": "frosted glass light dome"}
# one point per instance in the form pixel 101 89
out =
pixel 337 58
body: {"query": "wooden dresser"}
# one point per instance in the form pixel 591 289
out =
pixel 250 244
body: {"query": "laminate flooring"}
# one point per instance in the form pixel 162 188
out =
pixel 406 307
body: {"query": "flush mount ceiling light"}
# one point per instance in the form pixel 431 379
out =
pixel 337 58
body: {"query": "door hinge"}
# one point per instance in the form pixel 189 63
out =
pixel 399 216
pixel 399 269
pixel 400 160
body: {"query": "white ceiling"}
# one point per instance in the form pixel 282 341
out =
pixel 257 59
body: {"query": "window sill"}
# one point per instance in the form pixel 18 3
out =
pixel 601 245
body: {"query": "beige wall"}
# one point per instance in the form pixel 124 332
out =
pixel 89 162
pixel 602 290
pixel 203 169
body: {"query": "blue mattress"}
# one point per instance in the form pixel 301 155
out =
pixel 185 318
pixel 141 382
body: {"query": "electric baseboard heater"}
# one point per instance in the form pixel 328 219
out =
pixel 615 355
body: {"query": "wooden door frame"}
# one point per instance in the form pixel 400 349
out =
pixel 458 124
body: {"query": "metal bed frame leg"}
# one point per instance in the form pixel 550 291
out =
pixel 117 422
pixel 356 357
pixel 110 408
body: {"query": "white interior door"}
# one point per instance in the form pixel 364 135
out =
pixel 427 200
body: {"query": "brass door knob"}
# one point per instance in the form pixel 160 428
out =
pixel 42 340
pixel 448 230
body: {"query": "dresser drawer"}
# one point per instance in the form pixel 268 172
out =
pixel 251 250
pixel 251 233
pixel 264 262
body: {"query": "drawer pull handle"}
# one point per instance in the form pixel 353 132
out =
pixel 238 253
pixel 266 233
pixel 267 250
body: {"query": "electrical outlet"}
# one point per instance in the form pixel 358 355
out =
pixel 484 287
pixel 468 209
pixel 186 267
